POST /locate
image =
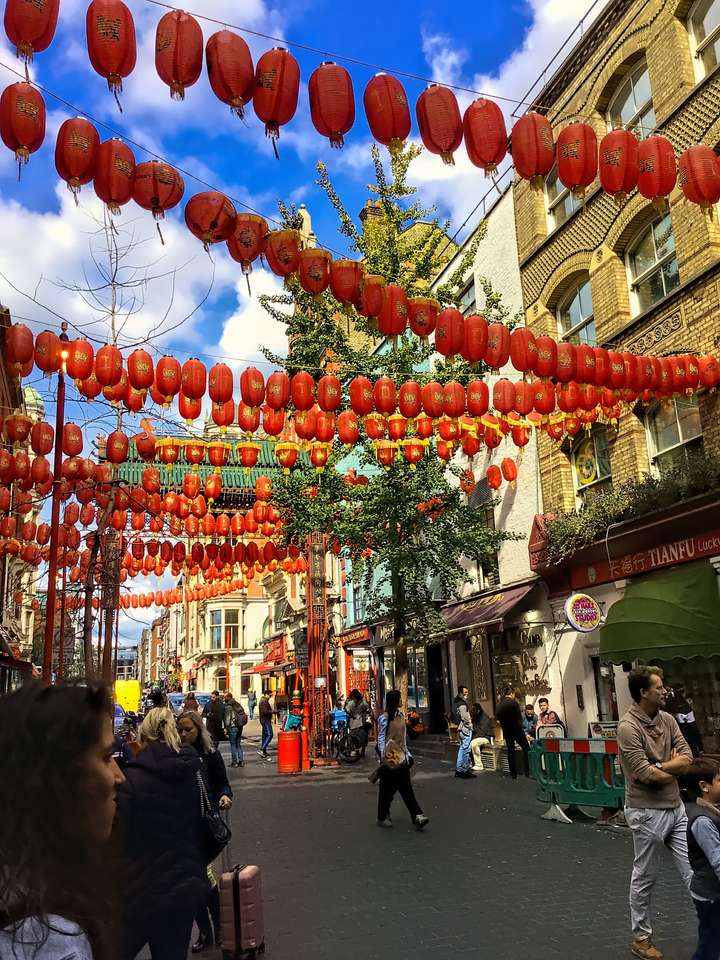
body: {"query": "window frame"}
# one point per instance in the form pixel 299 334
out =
pixel 634 282
pixel 560 198
pixel 568 299
pixel 580 489
pixel 654 454
pixel 470 310
pixel 698 47
pixel 223 626
pixel 632 123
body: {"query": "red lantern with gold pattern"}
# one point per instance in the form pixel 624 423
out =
pixel 602 366
pixel 493 476
pixel 212 488
pixel 523 349
pixel 282 251
pixel 314 270
pixel 157 187
pixel 450 332
pixel 504 396
pixel 413 451
pixel 248 418
pixel 486 137
pixel 385 395
pixel 566 365
pixel 112 46
pixel 47 352
pixel 194 451
pixel 362 399
pixel 387 111
pixel 546 365
pixel 116 447
pixel 305 422
pixel 168 449
pixel 348 427
pixel 18 348
pixel 577 157
pixel 439 120
pixel 478 398
pixel 30 26
pixel 618 163
pixel 319 454
pixel 433 399
pixel 453 399
pixel 375 426
pixel 568 397
pixel 370 297
pixel 410 399
pixel 80 360
pixel 193 379
pixel 220 383
pixel 498 348
pixel 509 470
pixel 42 438
pixel 17 427
pixel 248 239
pixel 252 387
pixel 329 392
pixel 114 174
pixel 22 120
pixel 168 378
pixel 524 397
pixel 657 169
pixel 533 148
pixel 210 216
pixel 191 485
pixel 230 70
pixel 346 277
pixel 72 440
pixel 277 86
pixel 223 414
pixel 393 316
pixel 332 102
pixel 475 338
pixel 218 453
pixel 302 390
pixel 286 454
pixel 273 421
pixel 189 408
pixel 544 397
pixel 76 150
pixel 141 373
pixel 699 176
pixel 178 51
pixel 423 313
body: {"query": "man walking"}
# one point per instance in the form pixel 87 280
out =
pixel 234 720
pixel 510 718
pixel 252 701
pixel 464 734
pixel 653 754
pixel 265 714
pixel 213 716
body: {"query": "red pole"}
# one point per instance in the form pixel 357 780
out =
pixel 227 660
pixel 55 518
pixel 61 646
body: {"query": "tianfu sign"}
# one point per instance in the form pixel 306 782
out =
pixel 582 612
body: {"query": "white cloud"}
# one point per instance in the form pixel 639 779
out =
pixel 250 326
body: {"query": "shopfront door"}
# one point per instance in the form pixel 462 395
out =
pixel 436 687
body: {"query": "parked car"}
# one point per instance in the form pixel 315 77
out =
pixel 176 701
pixel 119 718
pixel 202 697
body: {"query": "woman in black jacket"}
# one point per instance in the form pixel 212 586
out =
pixel 193 734
pixel 158 828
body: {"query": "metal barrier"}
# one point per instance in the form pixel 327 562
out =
pixel 583 773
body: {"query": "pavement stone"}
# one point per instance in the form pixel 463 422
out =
pixel 488 878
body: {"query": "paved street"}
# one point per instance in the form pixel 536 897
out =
pixel 488 878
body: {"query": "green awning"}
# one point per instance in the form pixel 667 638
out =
pixel 672 613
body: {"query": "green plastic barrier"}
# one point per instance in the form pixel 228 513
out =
pixel 577 773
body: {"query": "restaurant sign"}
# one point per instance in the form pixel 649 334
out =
pixel 274 650
pixel 582 612
pixel 655 558
pixel 351 637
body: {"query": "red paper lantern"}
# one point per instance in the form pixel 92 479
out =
pixel 189 408
pixel 47 352
pixel 348 427
pixel 114 174
pixel 305 422
pixel 193 379
pixel 248 239
pixel 568 397
pixel 616 377
pixel 248 418
pixel 277 390
pixel 493 477
pixel 220 383
pixel 282 251
pixel 375 426
pixel 112 47
pixel 141 374
pixel 370 298
pixel 423 426
pixel 91 387
pixel 302 390
pixel 22 120
pixel 438 116
pixel 362 399
pixel 486 138
pixel 76 149
pixel 230 70
pixel 332 102
pixel 566 365
pixel 618 163
pixel 80 360
pixel 523 349
pixel 453 399
pixel 157 187
pixel 546 365
pixel 178 52
pixel 30 26
pixel 524 397
pixel 577 157
pixel 72 440
pixel 450 332
pixel 602 366
pixel 498 348
pixel 346 277
pixel 708 371
pixel 277 85
pixel 509 470
pixel 116 447
pixel 210 216
pixel 18 347
pixel 252 387
pixel 393 316
pixel 533 149
pixel 477 398
pixel 504 396
pixel 329 392
pixel 223 414
pixel 585 371
pixel 588 396
pixel 433 399
pixel 657 168
pixel 699 176
pixel 544 397
pixel 273 421
pixel 42 438
pixel 286 454
pixel 423 313
pixel 385 395
pixel 314 270
pixel 475 338
pixel 410 399
pixel 168 378
pixel 387 111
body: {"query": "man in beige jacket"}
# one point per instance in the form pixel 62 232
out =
pixel 653 754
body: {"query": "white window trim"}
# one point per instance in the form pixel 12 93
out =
pixel 566 334
pixel 649 103
pixel 698 48
pixel 580 488
pixel 552 204
pixel 468 311
pixel 634 282
pixel 656 454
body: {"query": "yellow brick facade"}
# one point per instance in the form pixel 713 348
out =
pixel 594 240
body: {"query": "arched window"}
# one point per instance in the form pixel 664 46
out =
pixel 704 28
pixel 575 315
pixel 561 202
pixel 674 429
pixel 652 265
pixel 591 465
pixel 631 106
pixel 220 680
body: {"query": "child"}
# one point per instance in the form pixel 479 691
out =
pixel 703 783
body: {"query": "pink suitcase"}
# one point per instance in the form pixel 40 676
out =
pixel 242 928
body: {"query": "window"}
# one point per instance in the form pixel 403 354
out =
pixel 674 429
pixel 575 315
pixel 216 629
pixel 632 106
pixel 704 25
pixel 591 465
pixel 232 621
pixel 561 202
pixel 467 305
pixel 653 265
pixel 358 603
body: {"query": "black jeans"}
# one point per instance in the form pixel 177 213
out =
pixel 168 937
pixel 518 737
pixel 392 781
pixel 708 947
pixel 207 912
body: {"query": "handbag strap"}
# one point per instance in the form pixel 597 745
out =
pixel 205 807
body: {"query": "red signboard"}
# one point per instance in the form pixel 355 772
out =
pixel 352 637
pixel 274 650
pixel 634 564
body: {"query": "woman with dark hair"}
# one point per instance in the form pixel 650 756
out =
pixel 394 773
pixel 194 734
pixel 159 829
pixel 58 781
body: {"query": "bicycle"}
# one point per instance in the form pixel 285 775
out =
pixel 344 745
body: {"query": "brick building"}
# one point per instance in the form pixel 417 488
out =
pixel 625 276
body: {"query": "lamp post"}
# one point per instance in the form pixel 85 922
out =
pixel 55 514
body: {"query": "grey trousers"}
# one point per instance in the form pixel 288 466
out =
pixel 651 831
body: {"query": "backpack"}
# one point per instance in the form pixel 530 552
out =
pixel 241 718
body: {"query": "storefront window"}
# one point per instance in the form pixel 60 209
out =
pixel 216 629
pixel 417 679
pixel 389 668
pixel 697 682
pixel 519 660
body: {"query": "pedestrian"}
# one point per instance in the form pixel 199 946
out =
pixel 653 755
pixel 191 703
pixel 194 734
pixel 213 713
pixel 358 711
pixel 265 713
pixel 252 702
pixel 703 784
pixel 125 746
pixel 394 772
pixel 682 709
pixel 530 719
pixel 510 718
pixel 234 719
pixel 157 698
pixel 158 829
pixel 58 783
pixel 548 717
pixel 482 734
pixel 461 715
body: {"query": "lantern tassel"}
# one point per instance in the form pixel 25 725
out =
pixel 272 130
pixel 162 239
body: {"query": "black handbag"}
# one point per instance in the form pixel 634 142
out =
pixel 215 833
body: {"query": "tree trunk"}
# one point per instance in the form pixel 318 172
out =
pixel 88 611
pixel 401 653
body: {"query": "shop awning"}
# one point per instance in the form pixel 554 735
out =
pixel 672 613
pixel 485 609
pixel 271 667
